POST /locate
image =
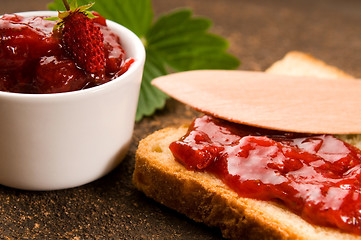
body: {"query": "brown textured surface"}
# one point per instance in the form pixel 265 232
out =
pixel 260 32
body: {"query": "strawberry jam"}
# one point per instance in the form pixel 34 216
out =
pixel 33 60
pixel 315 176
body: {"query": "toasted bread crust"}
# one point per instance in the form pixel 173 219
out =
pixel 302 64
pixel 204 198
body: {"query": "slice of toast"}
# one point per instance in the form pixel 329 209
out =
pixel 204 198
pixel 301 64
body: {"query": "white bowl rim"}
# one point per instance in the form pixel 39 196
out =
pixel 139 58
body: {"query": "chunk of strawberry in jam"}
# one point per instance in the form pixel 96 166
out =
pixel 23 41
pixel 114 53
pixel 99 19
pixel 5 82
pixel 12 17
pixel 16 82
pixel 54 75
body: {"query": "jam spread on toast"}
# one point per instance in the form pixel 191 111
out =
pixel 316 176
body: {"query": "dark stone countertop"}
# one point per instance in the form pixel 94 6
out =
pixel 260 32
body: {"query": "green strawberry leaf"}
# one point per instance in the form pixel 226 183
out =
pixel 151 98
pixel 73 5
pixel 185 44
pixel 176 41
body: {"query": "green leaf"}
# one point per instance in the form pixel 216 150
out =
pixel 52 18
pixel 83 7
pixel 63 15
pixel 151 98
pixel 174 24
pixel 185 43
pixel 73 5
pixel 176 41
pixel 90 15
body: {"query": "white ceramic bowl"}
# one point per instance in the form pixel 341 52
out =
pixel 64 140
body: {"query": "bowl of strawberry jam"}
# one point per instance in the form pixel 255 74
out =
pixel 63 125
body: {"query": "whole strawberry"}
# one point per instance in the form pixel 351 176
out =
pixel 81 39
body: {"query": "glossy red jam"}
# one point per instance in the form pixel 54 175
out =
pixel 32 59
pixel 316 176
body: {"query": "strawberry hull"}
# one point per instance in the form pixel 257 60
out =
pixel 21 42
